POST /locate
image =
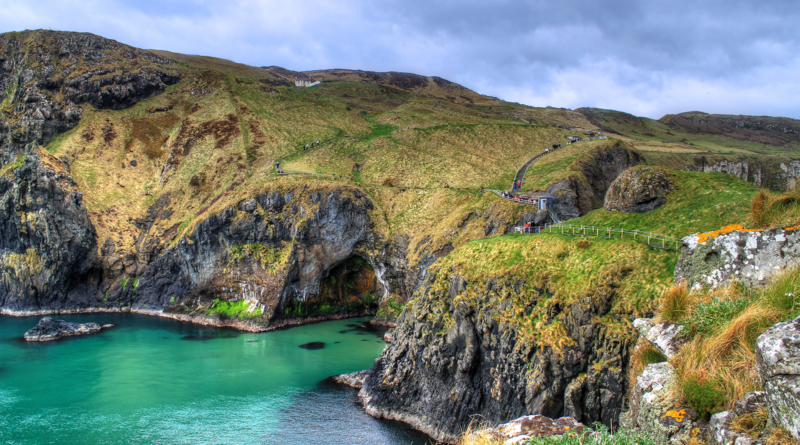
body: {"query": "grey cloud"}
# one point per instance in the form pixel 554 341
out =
pixel 638 56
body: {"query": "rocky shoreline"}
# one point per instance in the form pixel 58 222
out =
pixel 242 325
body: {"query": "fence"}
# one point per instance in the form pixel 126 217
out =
pixel 649 238
pixel 529 201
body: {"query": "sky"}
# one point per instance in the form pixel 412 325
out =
pixel 644 57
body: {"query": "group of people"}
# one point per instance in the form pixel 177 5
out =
pixel 516 185
pixel 519 198
pixel 311 145
pixel 530 227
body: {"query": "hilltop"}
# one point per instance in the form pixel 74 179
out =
pixel 147 181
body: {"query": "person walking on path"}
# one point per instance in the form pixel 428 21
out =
pixel 278 166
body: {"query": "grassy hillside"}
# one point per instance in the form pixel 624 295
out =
pixel 696 132
pixel 701 202
pixel 563 266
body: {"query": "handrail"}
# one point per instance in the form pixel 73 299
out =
pixel 649 238
pixel 520 201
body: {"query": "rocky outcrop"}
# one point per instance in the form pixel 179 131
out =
pixel 720 427
pixel 665 336
pixel 49 329
pixel 774 175
pixel 47 242
pixel 354 379
pixel 653 410
pixel 450 361
pixel 522 429
pixel 752 257
pixel 778 358
pixel 585 189
pixel 638 190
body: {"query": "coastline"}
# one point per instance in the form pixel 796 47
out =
pixel 242 325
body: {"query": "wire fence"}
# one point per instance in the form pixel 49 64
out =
pixel 649 238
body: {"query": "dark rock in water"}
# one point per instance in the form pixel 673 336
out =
pixel 252 341
pixel 336 342
pixel 364 339
pixel 313 345
pixel 49 329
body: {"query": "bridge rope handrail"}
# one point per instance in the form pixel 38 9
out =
pixel 650 238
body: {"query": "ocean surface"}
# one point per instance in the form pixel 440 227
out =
pixel 158 381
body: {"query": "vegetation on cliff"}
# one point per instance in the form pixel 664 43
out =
pixel 700 202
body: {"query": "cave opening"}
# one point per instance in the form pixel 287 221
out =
pixel 350 287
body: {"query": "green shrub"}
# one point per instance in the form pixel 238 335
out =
pixel 708 318
pixel 600 437
pixel 704 395
pixel 652 355
pixel 232 309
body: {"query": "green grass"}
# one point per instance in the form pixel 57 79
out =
pixel 8 169
pixel 601 436
pixel 232 309
pixel 704 395
pixel 701 202
pixel 555 271
pixel 653 355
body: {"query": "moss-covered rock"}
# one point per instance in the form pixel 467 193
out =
pixel 639 189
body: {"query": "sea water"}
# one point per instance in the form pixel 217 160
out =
pixel 158 381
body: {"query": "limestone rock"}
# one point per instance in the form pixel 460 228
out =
pixel 49 329
pixel 778 358
pixel 521 429
pixel 665 336
pixel 751 257
pixel 654 413
pixel 719 427
pixel 639 189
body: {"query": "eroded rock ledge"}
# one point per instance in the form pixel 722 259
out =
pixel 49 329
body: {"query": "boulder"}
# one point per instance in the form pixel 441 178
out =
pixel 521 429
pixel 655 412
pixel 778 358
pixel 49 329
pixel 664 336
pixel 733 253
pixel 639 189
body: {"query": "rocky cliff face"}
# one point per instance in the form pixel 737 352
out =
pixel 638 190
pixel 47 242
pixel 585 189
pixel 751 257
pixel 454 356
pixel 778 176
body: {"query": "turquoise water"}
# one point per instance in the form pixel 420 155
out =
pixel 158 381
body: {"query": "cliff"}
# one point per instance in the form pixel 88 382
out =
pixel 496 331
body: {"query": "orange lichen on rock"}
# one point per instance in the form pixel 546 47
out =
pixel 677 414
pixel 703 237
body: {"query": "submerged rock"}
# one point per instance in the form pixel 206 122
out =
pixel 313 345
pixel 49 329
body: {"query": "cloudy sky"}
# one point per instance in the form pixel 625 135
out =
pixel 645 57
